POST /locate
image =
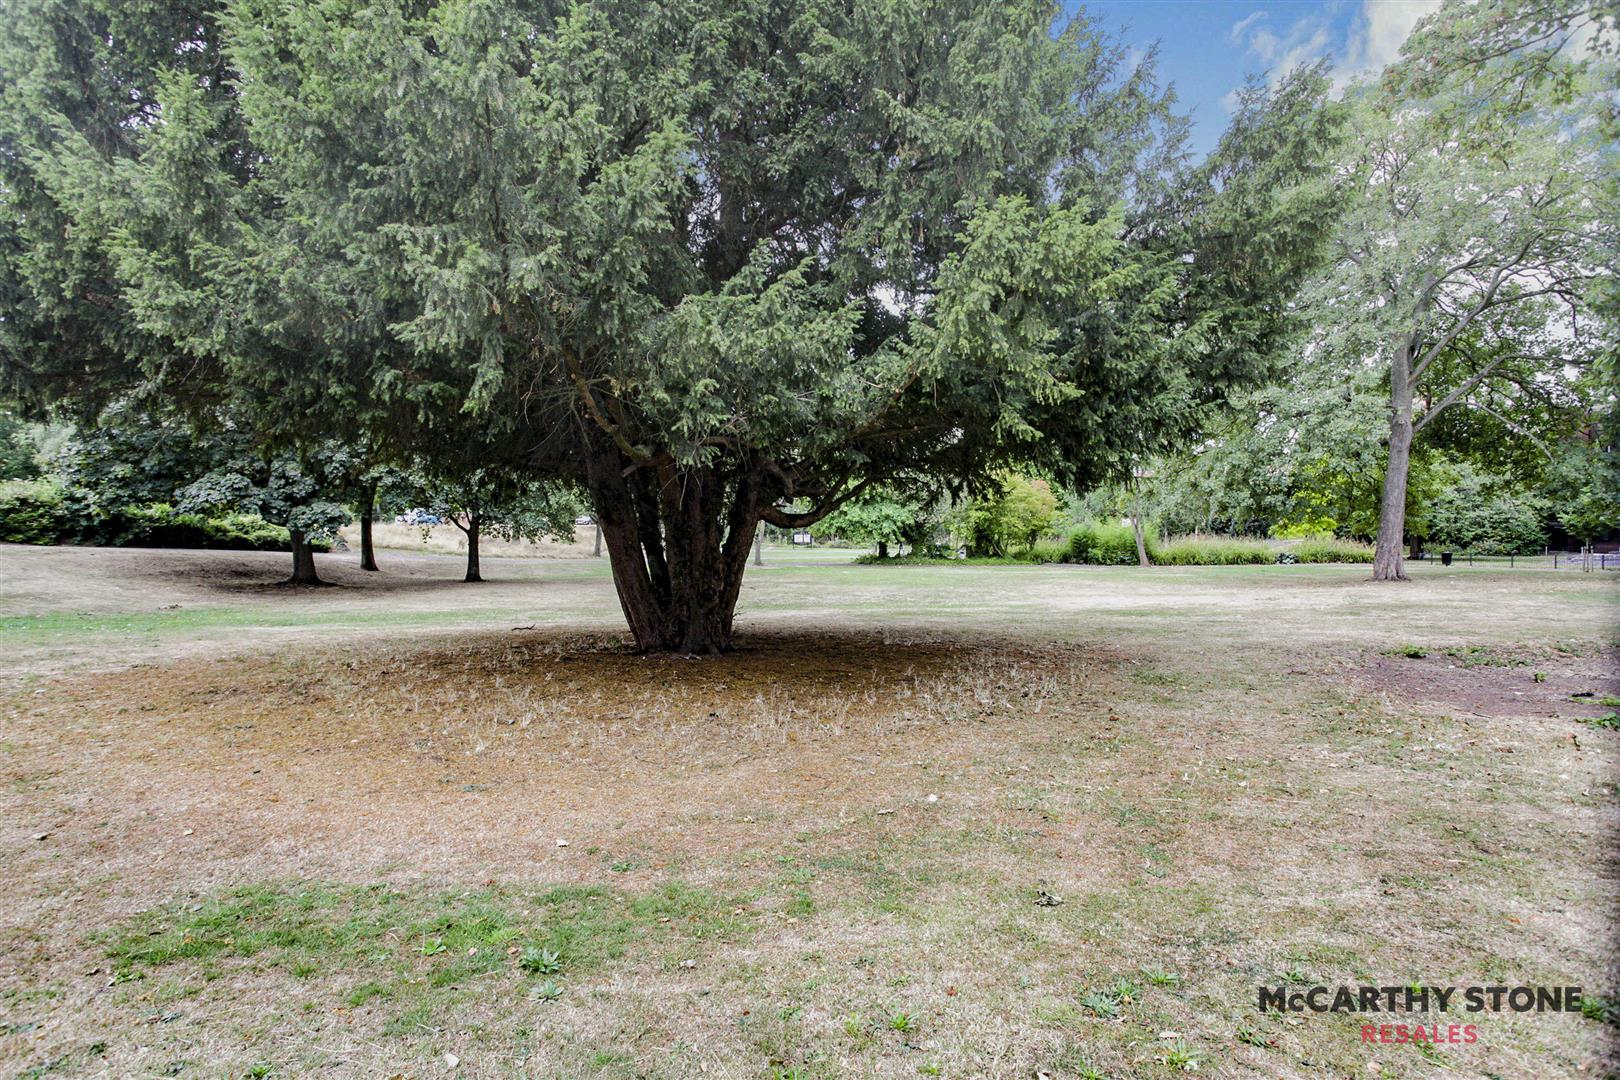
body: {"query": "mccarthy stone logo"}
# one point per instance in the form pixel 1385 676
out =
pixel 1414 998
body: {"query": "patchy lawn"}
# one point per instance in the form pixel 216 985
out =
pixel 953 821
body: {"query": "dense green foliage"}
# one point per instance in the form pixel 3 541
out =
pixel 19 459
pixel 32 512
pixel 1013 516
pixel 882 517
pixel 718 263
pixel 42 512
pixel 161 525
pixel 1104 544
pixel 1485 514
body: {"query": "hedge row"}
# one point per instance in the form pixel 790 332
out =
pixel 1101 544
pixel 39 512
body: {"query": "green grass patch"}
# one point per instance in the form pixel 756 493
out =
pixel 61 624
pixel 381 941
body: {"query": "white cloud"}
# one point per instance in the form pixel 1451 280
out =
pixel 1377 34
pixel 1308 39
pixel 1241 27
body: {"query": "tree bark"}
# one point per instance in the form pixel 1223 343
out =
pixel 883 549
pixel 597 554
pixel 368 554
pixel 759 544
pixel 472 548
pixel 1388 563
pixel 1136 531
pixel 303 557
pixel 678 541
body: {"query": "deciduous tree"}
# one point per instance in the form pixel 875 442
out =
pixel 1478 225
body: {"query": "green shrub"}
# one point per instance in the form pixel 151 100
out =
pixel 32 512
pixel 1214 551
pixel 161 525
pixel 40 512
pixel 1046 551
pixel 1100 544
pixel 1329 549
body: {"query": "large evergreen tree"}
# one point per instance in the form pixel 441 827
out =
pixel 721 263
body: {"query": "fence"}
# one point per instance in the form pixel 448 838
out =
pixel 1585 560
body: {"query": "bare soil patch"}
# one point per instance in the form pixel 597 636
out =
pixel 475 759
pixel 1525 682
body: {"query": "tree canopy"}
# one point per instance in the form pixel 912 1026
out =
pixel 718 263
pixel 1479 228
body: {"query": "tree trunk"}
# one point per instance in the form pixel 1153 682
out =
pixel 1136 531
pixel 368 554
pixel 597 554
pixel 303 557
pixel 1388 564
pixel 472 549
pixel 759 544
pixel 883 549
pixel 678 541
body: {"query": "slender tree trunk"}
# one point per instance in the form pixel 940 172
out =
pixel 1136 531
pixel 303 559
pixel 1388 564
pixel 472 548
pixel 597 554
pixel 759 544
pixel 368 554
pixel 883 549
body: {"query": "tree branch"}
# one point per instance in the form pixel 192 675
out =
pixel 1514 427
pixel 589 398
pixel 783 519
pixel 1466 387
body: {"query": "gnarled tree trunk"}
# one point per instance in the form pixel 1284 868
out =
pixel 303 556
pixel 1388 563
pixel 678 539
pixel 678 536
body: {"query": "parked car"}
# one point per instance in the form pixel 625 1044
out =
pixel 584 519
pixel 417 517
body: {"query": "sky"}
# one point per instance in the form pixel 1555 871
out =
pixel 1208 47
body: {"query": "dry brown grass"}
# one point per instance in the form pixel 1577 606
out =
pixel 757 834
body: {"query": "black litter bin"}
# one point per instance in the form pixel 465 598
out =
pixel 1445 558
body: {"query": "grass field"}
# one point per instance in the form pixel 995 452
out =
pixel 927 821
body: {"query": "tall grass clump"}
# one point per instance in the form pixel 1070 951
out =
pixel 1046 551
pixel 1100 544
pixel 1214 551
pixel 1331 549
